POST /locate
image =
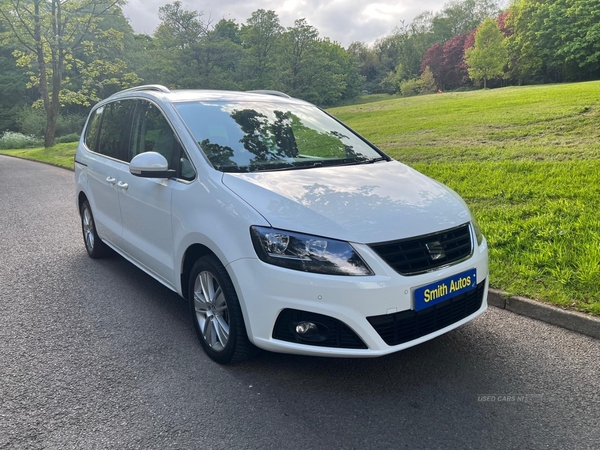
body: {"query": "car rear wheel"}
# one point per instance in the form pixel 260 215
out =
pixel 216 313
pixel 93 244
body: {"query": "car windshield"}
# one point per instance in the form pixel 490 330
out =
pixel 256 136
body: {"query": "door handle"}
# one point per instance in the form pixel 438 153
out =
pixel 122 185
pixel 111 180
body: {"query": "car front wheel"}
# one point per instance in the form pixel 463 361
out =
pixel 216 313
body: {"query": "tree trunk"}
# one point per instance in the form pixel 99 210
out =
pixel 57 69
pixel 484 83
pixel 50 119
pixel 50 131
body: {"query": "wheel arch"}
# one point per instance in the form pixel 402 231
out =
pixel 80 199
pixel 192 254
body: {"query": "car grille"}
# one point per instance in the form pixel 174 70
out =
pixel 340 335
pixel 412 256
pixel 406 326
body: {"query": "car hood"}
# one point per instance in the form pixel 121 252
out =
pixel 363 203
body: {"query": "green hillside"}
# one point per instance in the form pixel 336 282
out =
pixel 526 160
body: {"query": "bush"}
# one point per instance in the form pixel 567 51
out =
pixel 427 82
pixel 391 83
pixel 73 137
pixel 410 87
pixel 11 140
pixel 32 121
pixel 68 124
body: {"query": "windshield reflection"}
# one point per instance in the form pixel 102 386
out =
pixel 253 136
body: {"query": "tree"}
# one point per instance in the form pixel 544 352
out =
pixel 554 40
pixel 434 60
pixel 459 17
pixel 404 55
pixel 180 28
pixel 327 75
pixel 580 44
pixel 365 60
pixel 171 60
pixel 486 60
pixel 413 42
pixel 187 51
pixel 298 44
pixel 455 71
pixel 260 36
pixel 14 95
pixel 51 36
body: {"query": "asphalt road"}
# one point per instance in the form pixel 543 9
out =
pixel 96 354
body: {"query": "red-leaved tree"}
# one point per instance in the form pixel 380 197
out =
pixel 470 39
pixel 434 59
pixel 455 72
pixel 501 21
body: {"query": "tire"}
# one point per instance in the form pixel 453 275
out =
pixel 93 244
pixel 216 313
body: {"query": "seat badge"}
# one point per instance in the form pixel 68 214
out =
pixel 436 251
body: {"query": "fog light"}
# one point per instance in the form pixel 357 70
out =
pixel 307 329
pixel 311 331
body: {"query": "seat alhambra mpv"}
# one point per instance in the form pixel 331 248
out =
pixel 283 228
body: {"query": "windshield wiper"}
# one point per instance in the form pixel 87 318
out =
pixel 373 160
pixel 354 162
pixel 278 167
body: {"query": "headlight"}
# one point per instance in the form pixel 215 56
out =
pixel 307 253
pixel 477 230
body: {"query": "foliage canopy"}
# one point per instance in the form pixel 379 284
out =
pixel 486 59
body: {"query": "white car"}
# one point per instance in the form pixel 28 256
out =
pixel 283 228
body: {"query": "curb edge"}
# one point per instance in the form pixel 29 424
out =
pixel 571 320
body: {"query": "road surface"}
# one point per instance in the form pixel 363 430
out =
pixel 96 354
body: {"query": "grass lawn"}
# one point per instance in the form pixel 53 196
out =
pixel 59 155
pixel 527 161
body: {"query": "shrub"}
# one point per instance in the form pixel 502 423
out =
pixel 11 140
pixel 73 137
pixel 410 87
pixel 32 121
pixel 68 124
pixel 391 83
pixel 427 82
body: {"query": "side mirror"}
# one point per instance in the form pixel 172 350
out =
pixel 150 165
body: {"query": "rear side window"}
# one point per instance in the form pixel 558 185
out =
pixel 91 132
pixel 115 129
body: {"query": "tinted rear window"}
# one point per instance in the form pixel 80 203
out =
pixel 115 129
pixel 91 132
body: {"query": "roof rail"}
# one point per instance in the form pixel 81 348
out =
pixel 146 87
pixel 267 92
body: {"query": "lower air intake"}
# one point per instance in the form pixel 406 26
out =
pixel 406 326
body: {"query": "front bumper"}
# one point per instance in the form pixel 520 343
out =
pixel 265 291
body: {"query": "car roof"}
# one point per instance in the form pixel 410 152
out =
pixel 185 95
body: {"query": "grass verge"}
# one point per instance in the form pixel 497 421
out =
pixel 60 155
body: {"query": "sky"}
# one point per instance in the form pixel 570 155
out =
pixel 343 21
